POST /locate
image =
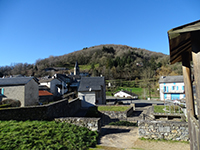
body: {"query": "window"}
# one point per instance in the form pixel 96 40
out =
pixel 173 87
pixel 183 88
pixel 164 88
pixel 177 88
pixel 2 91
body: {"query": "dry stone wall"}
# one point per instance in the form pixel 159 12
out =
pixel 167 130
pixel 90 123
pixel 43 112
pixel 112 116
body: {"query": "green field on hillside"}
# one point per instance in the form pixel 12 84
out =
pixel 138 91
pixel 87 67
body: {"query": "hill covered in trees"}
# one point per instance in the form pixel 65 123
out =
pixel 112 61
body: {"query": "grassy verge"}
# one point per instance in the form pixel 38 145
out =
pixel 113 108
pixel 172 109
pixel 45 135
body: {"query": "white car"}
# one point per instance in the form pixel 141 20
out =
pixel 176 102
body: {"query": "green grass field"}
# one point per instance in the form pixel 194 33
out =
pixel 87 67
pixel 138 91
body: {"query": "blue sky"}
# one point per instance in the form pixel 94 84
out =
pixel 36 29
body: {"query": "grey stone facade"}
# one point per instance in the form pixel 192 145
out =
pixel 26 93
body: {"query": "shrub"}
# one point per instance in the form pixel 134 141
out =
pixel 11 103
pixel 45 135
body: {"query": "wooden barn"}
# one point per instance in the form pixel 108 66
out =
pixel 184 44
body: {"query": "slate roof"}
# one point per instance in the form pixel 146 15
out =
pixel 46 80
pixel 91 83
pixel 171 79
pixel 16 81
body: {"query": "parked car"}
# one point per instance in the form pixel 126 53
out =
pixel 176 102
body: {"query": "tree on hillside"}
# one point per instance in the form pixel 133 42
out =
pixel 148 74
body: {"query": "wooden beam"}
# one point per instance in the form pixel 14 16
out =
pixel 196 63
pixel 188 82
pixel 188 93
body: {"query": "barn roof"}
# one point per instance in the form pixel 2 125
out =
pixel 181 40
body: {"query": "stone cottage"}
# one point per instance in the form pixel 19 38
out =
pixel 24 89
pixel 92 91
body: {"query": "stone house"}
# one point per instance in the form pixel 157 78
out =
pixel 126 94
pixel 24 89
pixel 92 91
pixel 171 87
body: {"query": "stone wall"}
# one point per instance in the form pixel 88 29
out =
pixel 167 130
pixel 90 123
pixel 43 112
pixel 112 116
pixel 119 114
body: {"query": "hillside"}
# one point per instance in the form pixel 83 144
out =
pixel 112 61
pixel 96 53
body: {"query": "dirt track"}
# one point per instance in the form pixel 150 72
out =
pixel 127 137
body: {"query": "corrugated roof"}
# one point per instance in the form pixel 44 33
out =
pixel 171 79
pixel 91 83
pixel 181 40
pixel 16 81
pixel 44 93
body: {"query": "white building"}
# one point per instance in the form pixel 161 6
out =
pixel 171 87
pixel 55 86
pixel 126 94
